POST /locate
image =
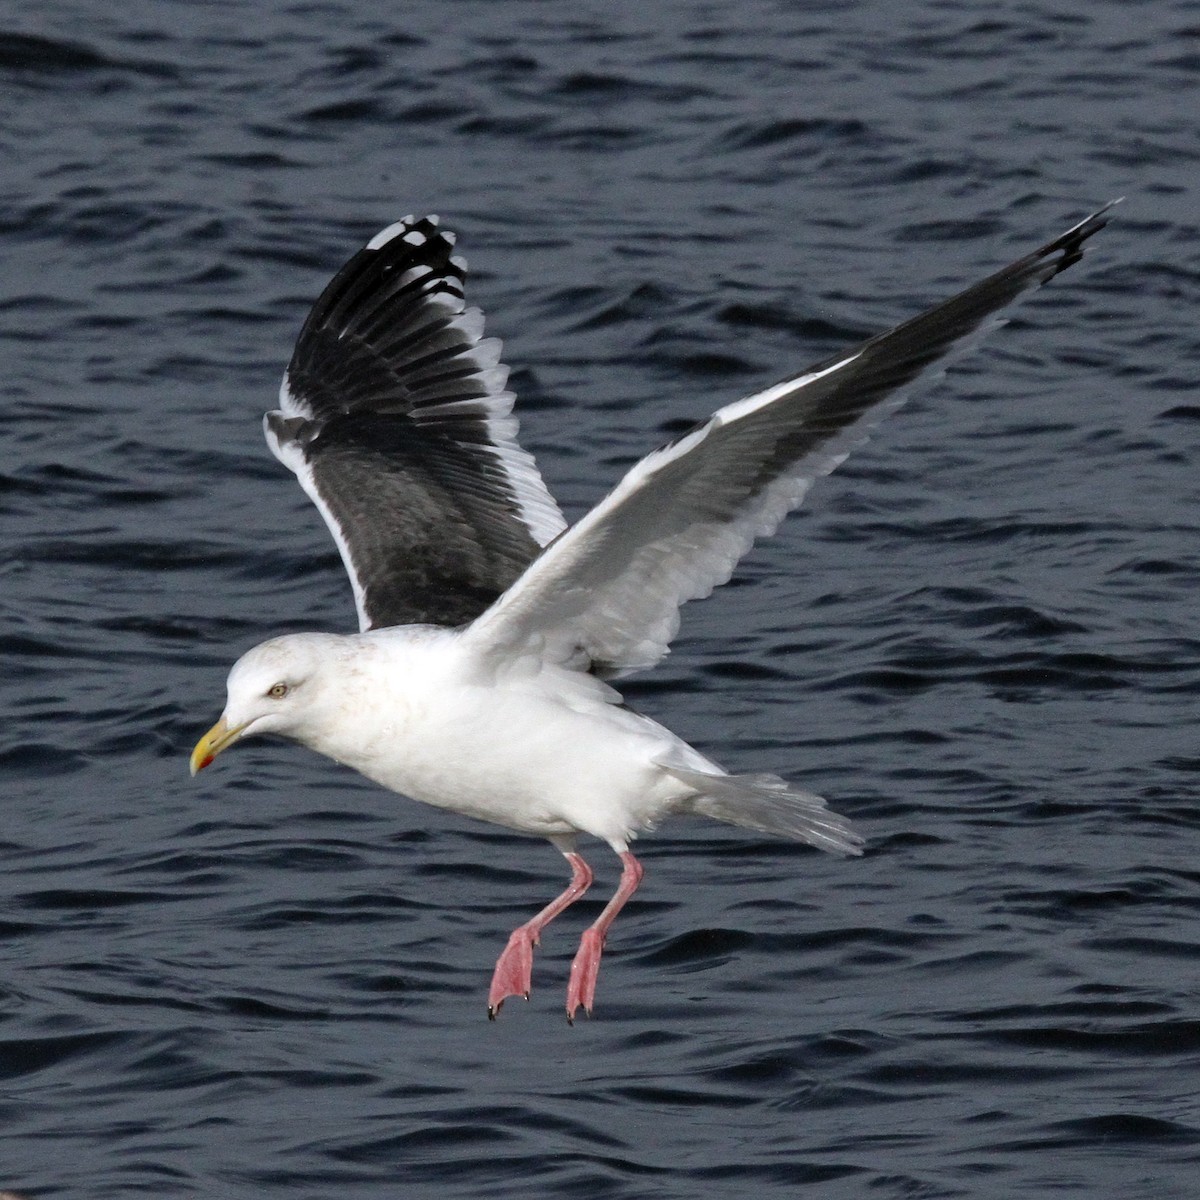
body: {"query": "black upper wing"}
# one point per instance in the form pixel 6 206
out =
pixel 395 419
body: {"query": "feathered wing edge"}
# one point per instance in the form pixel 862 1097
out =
pixel 395 418
pixel 605 596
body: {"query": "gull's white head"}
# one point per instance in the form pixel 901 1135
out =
pixel 274 688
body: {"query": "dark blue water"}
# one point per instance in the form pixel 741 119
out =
pixel 979 639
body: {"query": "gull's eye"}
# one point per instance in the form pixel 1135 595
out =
pixel 278 691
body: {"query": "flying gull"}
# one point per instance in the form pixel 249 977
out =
pixel 488 629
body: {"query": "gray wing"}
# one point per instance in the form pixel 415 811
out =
pixel 394 416
pixel 606 595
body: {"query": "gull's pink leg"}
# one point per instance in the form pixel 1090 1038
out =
pixel 581 990
pixel 514 967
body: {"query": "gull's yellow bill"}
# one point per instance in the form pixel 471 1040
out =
pixel 213 742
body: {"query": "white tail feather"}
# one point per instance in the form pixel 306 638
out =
pixel 768 804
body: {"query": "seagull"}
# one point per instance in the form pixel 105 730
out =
pixel 489 631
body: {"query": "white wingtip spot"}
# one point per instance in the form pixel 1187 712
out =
pixel 404 228
pixel 395 230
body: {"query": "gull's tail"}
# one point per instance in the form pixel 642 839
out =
pixel 770 805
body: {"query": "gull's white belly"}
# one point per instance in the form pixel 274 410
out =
pixel 527 761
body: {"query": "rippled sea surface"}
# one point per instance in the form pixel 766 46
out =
pixel 979 639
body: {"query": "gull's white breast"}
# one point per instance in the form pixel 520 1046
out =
pixel 540 751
